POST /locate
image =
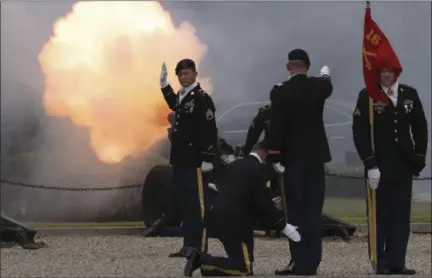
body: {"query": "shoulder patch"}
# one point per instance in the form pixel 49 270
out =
pixel 264 107
pixel 356 112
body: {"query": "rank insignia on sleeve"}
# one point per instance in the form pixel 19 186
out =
pixel 357 112
pixel 209 114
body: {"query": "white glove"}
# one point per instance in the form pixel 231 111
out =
pixel 291 232
pixel 164 76
pixel 325 71
pixel 278 168
pixel 206 167
pixel 228 158
pixel 374 176
pixel 278 202
pixel 212 186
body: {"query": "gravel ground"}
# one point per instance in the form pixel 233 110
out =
pixel 134 256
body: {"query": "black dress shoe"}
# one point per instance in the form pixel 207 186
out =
pixel 403 271
pixel 193 262
pixel 307 273
pixel 383 271
pixel 288 270
pixel 284 272
pixel 179 254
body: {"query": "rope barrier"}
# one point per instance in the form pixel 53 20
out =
pixel 130 186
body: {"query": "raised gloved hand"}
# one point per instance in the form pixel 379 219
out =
pixel 206 167
pixel 278 168
pixel 291 232
pixel 374 176
pixel 325 71
pixel 164 76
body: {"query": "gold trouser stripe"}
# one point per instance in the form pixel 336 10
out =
pixel 204 240
pixel 202 209
pixel 246 258
pixel 233 272
pixel 283 197
pixel 200 191
pixel 371 207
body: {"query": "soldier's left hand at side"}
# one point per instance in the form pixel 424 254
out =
pixel 278 168
pixel 374 176
pixel 206 167
pixel 291 232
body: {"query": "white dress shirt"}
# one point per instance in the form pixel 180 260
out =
pixel 257 156
pixel 394 87
pixel 186 90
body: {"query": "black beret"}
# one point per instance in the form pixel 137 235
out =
pixel 185 64
pixel 299 54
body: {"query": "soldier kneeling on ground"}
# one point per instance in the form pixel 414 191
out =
pixel 242 198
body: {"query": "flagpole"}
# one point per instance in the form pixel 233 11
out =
pixel 371 194
pixel 372 199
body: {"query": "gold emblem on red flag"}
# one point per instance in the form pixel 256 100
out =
pixel 366 55
pixel 375 40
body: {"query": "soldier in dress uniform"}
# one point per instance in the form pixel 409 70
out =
pixel 242 198
pixel 192 141
pixel 400 141
pixel 297 140
pixel 259 124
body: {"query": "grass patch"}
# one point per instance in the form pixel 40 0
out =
pixel 352 220
pixel 354 210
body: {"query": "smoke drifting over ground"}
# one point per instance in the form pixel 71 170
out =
pixel 102 68
pixel 242 46
pixel 101 81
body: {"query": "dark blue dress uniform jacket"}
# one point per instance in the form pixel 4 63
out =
pixel 194 133
pixel 400 134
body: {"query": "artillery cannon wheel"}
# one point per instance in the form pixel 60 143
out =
pixel 158 197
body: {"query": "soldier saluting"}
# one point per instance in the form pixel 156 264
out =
pixel 297 141
pixel 400 141
pixel 192 141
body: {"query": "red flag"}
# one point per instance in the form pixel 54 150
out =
pixel 377 53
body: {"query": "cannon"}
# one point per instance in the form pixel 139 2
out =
pixel 161 211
